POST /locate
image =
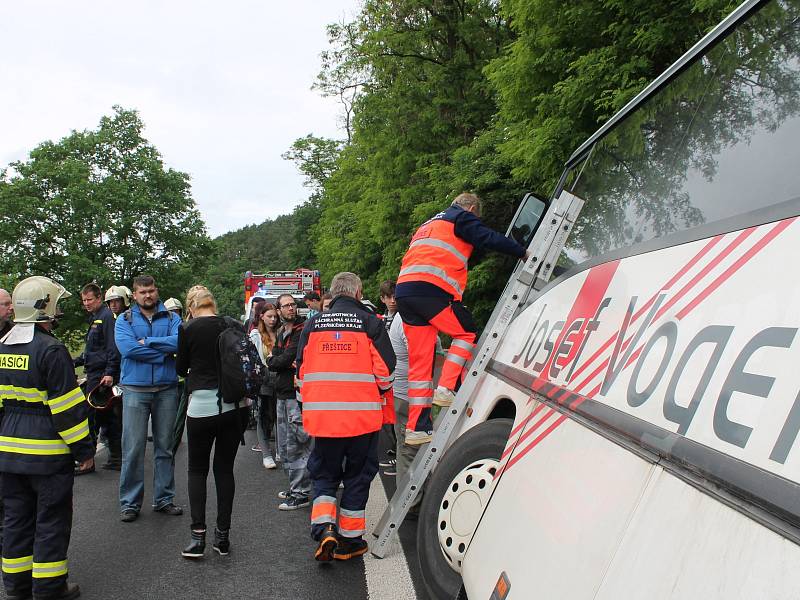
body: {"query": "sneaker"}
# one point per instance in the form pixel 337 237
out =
pixel 348 548
pixel 327 545
pixel 295 502
pixel 390 472
pixel 269 462
pixel 389 462
pixel 129 515
pixel 222 542
pixel 417 438
pixel 170 509
pixel 256 448
pixel 284 494
pixel 443 397
pixel 197 545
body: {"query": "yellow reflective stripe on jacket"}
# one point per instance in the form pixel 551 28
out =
pixel 73 434
pixel 66 401
pixel 49 569
pixel 17 565
pixel 13 392
pixel 33 446
pixel 99 321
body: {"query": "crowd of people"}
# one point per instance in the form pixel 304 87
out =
pixel 328 385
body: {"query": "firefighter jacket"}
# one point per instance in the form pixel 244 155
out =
pixel 440 250
pixel 344 365
pixel 45 425
pixel 282 359
pixel 100 355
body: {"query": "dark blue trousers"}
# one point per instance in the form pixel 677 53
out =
pixel 352 460
pixel 38 522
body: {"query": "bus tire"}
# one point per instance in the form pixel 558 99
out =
pixel 484 442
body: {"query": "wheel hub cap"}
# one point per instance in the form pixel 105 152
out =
pixel 461 508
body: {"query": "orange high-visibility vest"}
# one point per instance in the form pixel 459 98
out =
pixel 341 378
pixel 438 256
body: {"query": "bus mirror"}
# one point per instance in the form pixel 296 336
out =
pixel 527 219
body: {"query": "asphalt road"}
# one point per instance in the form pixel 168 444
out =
pixel 271 551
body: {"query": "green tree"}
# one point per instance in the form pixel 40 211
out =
pixel 421 95
pixel 100 205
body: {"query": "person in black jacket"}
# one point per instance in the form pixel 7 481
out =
pixel 209 422
pixel 101 362
pixel 294 444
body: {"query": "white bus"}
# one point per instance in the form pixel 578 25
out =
pixel 635 433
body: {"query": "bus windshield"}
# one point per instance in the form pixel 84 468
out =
pixel 716 141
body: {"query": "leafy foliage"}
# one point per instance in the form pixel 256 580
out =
pixel 443 96
pixel 100 206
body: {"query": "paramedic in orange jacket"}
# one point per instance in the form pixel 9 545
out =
pixel 344 364
pixel 433 277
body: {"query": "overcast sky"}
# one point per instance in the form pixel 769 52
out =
pixel 223 88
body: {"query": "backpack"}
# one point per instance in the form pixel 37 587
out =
pixel 239 368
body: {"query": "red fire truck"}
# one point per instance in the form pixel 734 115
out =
pixel 274 283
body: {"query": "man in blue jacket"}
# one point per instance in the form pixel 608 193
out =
pixel 147 338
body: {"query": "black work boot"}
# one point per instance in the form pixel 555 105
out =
pixel 348 548
pixel 69 591
pixel 197 546
pixel 327 545
pixel 19 594
pixel 222 543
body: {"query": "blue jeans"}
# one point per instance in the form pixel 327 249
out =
pixel 138 408
pixel 294 446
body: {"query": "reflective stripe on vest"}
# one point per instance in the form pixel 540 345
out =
pixel 74 434
pixel 33 446
pixel 13 392
pixel 342 406
pixel 66 401
pixel 437 255
pixel 338 377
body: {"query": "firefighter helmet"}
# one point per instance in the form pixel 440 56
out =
pixel 173 304
pixel 103 397
pixel 118 292
pixel 35 299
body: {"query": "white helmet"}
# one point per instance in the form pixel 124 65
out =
pixel 173 304
pixel 117 292
pixel 35 299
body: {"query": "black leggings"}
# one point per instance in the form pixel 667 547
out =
pixel 224 432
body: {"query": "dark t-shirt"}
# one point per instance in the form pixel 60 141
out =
pixel 197 343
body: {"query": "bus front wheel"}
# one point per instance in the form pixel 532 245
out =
pixel 453 504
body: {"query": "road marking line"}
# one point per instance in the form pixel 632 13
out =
pixel 386 577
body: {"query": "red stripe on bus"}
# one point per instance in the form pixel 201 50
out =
pixel 535 442
pixel 681 272
pixel 525 421
pixel 741 261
